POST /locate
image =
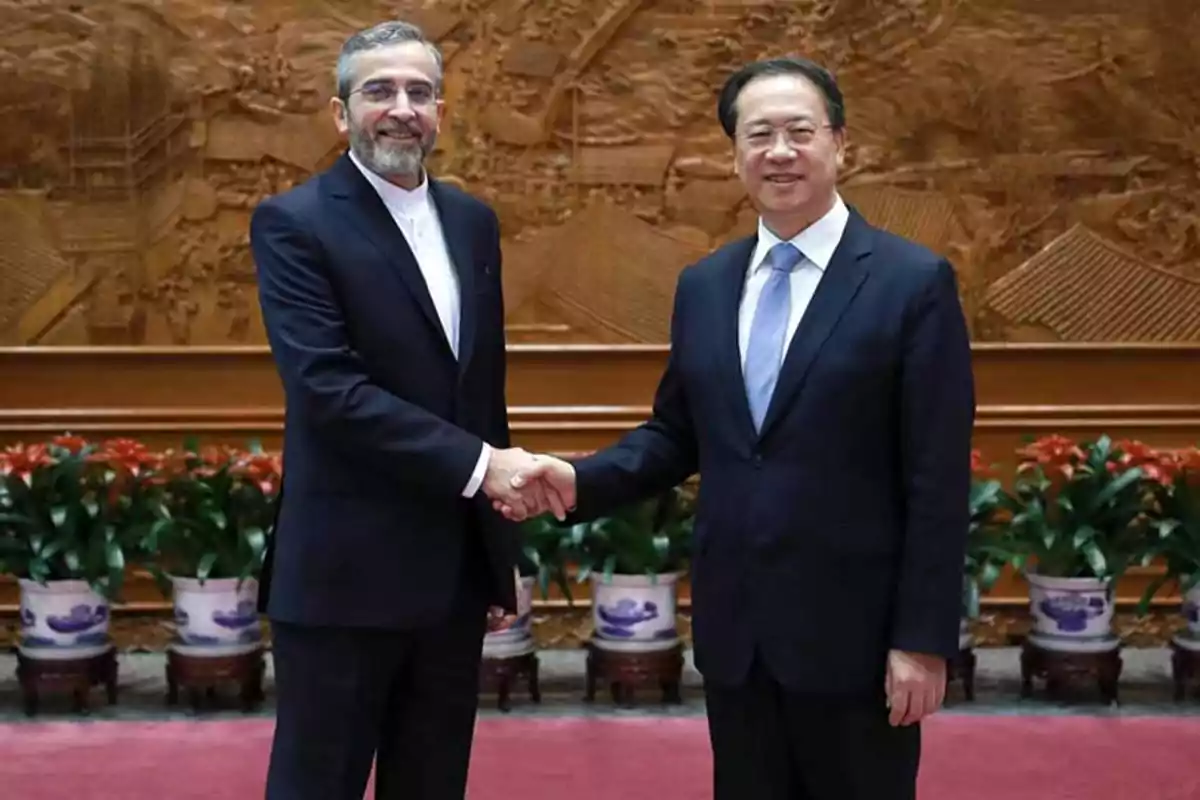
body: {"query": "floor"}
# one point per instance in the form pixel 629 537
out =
pixel 1145 689
pixel 964 757
pixel 998 747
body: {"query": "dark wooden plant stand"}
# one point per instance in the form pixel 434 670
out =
pixel 202 676
pixel 1061 669
pixel 962 668
pixel 501 675
pixel 1185 665
pixel 76 676
pixel 625 672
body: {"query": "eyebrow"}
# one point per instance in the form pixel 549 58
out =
pixel 797 118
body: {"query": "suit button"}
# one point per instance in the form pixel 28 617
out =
pixel 757 460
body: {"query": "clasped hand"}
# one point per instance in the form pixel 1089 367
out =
pixel 523 485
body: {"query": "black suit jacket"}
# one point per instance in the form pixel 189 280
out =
pixel 837 532
pixel 383 425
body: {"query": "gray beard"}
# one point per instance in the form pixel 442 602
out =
pixel 389 161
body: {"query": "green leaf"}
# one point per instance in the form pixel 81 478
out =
pixel 991 573
pixel 1148 595
pixel 1095 559
pixel 205 566
pixel 1083 535
pixel 115 556
pixel 257 539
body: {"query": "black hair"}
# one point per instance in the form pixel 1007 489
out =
pixel 835 105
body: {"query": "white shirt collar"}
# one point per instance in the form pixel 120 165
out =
pixel 817 242
pixel 405 201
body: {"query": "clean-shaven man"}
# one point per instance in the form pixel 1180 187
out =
pixel 820 382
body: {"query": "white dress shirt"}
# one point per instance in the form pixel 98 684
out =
pixel 817 243
pixel 417 218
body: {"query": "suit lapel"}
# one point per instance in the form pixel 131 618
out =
pixel 366 212
pixel 843 276
pixel 726 302
pixel 456 229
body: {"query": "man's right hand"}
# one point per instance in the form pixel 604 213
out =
pixel 547 484
pixel 507 482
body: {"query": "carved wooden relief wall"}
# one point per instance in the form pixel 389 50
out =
pixel 1049 148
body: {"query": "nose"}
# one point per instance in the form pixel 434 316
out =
pixel 780 148
pixel 401 111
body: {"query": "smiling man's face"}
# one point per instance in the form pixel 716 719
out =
pixel 786 152
pixel 393 112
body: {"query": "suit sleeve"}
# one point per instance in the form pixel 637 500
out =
pixel 500 529
pixel 654 457
pixel 500 355
pixel 327 379
pixel 937 414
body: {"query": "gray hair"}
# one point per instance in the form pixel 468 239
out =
pixel 384 34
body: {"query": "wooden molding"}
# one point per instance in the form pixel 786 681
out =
pixel 572 399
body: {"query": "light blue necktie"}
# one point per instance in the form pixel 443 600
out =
pixel 764 352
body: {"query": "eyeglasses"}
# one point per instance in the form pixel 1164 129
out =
pixel 796 136
pixel 418 94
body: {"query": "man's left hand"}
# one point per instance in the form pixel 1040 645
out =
pixel 916 686
pixel 498 618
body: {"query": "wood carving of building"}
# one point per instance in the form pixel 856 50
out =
pixel 604 272
pixel 126 146
pixel 924 217
pixel 1084 288
pixel 29 259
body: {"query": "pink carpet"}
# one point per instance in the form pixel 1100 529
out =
pixel 981 758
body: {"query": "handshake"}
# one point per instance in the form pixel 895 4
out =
pixel 523 485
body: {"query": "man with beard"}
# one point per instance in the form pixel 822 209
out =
pixel 381 297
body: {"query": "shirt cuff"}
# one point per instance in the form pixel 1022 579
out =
pixel 485 455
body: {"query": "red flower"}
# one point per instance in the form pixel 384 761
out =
pixel 23 460
pixel 1054 453
pixel 126 457
pixel 1185 463
pixel 1132 453
pixel 261 468
pixel 72 444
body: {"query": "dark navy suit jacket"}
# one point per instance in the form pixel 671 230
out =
pixel 384 426
pixel 838 532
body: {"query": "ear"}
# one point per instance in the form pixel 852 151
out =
pixel 839 138
pixel 340 113
pixel 441 114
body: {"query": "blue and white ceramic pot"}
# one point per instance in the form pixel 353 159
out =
pixel 516 638
pixel 635 612
pixel 1191 612
pixel 1071 614
pixel 62 620
pixel 216 617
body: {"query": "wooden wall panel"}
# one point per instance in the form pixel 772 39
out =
pixel 1046 148
pixel 577 398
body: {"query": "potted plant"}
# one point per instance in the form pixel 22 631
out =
pixel 1078 515
pixel 986 554
pixel 634 559
pixel 71 514
pixel 1176 534
pixel 209 555
pixel 545 551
